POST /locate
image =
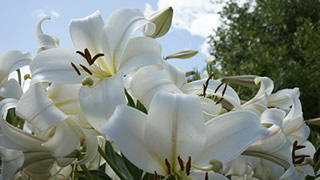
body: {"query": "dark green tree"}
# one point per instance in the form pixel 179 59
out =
pixel 279 39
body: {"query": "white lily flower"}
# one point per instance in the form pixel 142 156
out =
pixel 58 112
pixel 287 143
pixel 164 141
pixel 9 62
pixel 105 52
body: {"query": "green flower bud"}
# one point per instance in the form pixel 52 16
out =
pixel 182 54
pixel 162 19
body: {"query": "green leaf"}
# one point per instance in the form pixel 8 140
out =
pixel 141 107
pixel 117 160
pixel 135 171
pixel 129 98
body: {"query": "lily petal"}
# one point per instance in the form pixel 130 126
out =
pixel 266 87
pixel 11 89
pixel 86 33
pixel 12 160
pixel 117 31
pixel 196 87
pixel 147 52
pixel 12 60
pixel 64 141
pixel 244 129
pixel 54 65
pixel 176 123
pixel 126 128
pixel 177 75
pixel 91 143
pixel 36 108
pixel 280 98
pixel 211 175
pixel 99 102
pixel 147 81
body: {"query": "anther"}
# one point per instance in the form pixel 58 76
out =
pixel 224 89
pixel 215 91
pixel 219 101
pixel 95 58
pixel 181 163
pixel 298 159
pixel 168 166
pixel 88 55
pixel 86 69
pixel 206 84
pixel 207 177
pixel 188 166
pixel 75 68
pixel 155 175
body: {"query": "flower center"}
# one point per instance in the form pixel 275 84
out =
pixel 94 69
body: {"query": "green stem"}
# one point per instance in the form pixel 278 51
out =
pixel 86 171
pixel 19 76
pixel 111 164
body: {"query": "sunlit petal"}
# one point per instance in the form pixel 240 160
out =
pixel 243 129
pixel 126 128
pixel 176 123
pixel 54 65
pixel 11 89
pixel 86 32
pixel 117 31
pixel 99 102
pixel 147 52
pixel 36 108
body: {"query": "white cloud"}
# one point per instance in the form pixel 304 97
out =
pixel 198 17
pixel 40 13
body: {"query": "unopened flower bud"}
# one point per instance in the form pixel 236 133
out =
pixel 182 54
pixel 162 19
pixel 244 80
pixel 211 60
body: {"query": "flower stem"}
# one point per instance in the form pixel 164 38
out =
pixel 111 164
pixel 86 171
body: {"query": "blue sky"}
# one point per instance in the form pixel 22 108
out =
pixel 193 22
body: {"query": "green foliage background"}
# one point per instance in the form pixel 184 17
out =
pixel 279 39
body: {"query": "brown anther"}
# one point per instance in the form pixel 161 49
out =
pixel 181 163
pixel 88 55
pixel 206 84
pixel 298 159
pixel 219 101
pixel 215 91
pixel 95 58
pixel 155 175
pixel 207 176
pixel 86 69
pixel 224 89
pixel 82 54
pixel 75 68
pixel 188 166
pixel 271 107
pixel 168 166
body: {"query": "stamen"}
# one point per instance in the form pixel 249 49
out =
pixel 207 177
pixel 155 175
pixel 168 166
pixel 86 69
pixel 298 159
pixel 224 89
pixel 206 84
pixel 215 91
pixel 219 101
pixel 75 68
pixel 181 163
pixel 82 54
pixel 188 166
pixel 88 55
pixel 95 58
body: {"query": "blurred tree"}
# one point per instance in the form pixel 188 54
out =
pixel 279 39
